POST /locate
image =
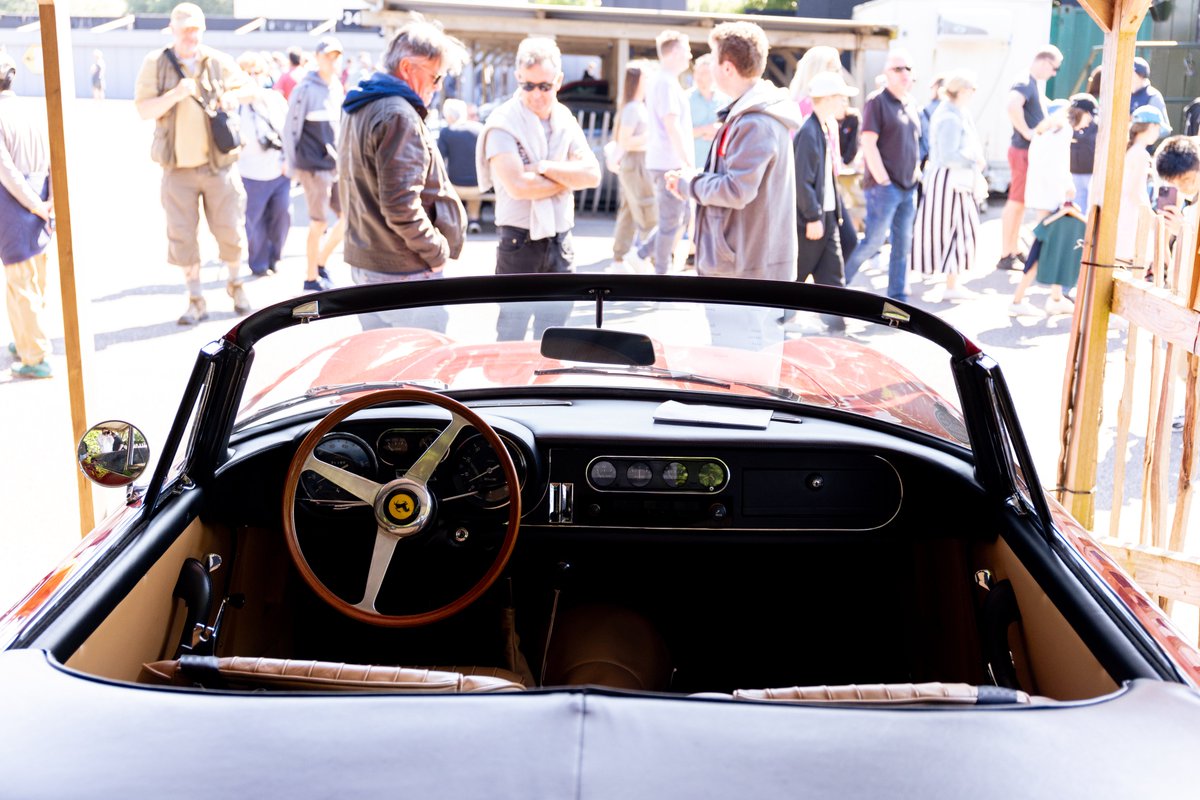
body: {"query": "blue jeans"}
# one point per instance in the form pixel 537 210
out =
pixel 889 208
pixel 268 217
pixel 433 318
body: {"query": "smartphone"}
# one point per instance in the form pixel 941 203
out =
pixel 1167 196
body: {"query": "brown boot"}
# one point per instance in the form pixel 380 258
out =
pixel 241 305
pixel 197 311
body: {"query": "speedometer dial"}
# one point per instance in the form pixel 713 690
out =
pixel 345 451
pixel 477 473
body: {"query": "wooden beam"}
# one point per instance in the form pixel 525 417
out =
pixel 80 344
pixel 1156 309
pixel 1158 572
pixel 1101 11
pixel 1086 364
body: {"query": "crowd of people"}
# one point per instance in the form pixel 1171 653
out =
pixel 738 176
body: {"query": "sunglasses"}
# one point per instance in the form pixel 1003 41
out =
pixel 541 87
pixel 901 69
pixel 438 77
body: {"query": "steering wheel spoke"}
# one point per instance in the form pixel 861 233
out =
pixel 362 488
pixel 422 469
pixel 381 559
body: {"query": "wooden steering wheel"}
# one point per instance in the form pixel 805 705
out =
pixel 403 507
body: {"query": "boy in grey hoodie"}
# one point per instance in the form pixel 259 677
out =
pixel 309 144
pixel 746 195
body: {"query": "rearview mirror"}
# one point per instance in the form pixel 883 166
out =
pixel 113 453
pixel 598 346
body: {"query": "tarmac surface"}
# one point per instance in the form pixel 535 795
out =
pixel 142 357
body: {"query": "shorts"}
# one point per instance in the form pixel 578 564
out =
pixel 1018 164
pixel 320 193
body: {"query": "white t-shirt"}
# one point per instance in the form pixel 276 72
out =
pixel 664 97
pixel 509 210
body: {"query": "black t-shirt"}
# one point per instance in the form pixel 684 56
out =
pixel 898 124
pixel 1083 149
pixel 1032 109
pixel 457 145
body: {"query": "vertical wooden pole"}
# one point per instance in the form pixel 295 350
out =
pixel 1185 489
pixel 60 96
pixel 1084 425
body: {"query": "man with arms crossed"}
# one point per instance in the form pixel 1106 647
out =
pixel 535 154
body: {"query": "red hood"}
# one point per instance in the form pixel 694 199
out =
pixel 829 372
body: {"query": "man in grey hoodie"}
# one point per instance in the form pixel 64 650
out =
pixel 310 146
pixel 746 196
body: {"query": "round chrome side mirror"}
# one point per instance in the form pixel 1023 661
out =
pixel 113 453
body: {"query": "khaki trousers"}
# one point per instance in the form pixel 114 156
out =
pixel 183 191
pixel 26 281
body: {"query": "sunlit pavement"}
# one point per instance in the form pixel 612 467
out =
pixel 143 357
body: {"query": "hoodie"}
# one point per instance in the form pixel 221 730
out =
pixel 310 132
pixel 746 196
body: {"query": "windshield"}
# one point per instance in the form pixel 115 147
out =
pixel 704 349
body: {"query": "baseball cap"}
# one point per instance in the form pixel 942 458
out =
pixel 1142 67
pixel 1085 102
pixel 1056 105
pixel 1150 114
pixel 828 84
pixel 187 15
pixel 328 44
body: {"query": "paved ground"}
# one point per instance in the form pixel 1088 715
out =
pixel 143 358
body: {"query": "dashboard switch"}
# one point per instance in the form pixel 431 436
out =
pixel 718 511
pixel 562 503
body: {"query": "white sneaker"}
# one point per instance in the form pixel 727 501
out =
pixel 1024 309
pixel 638 265
pixel 1061 306
pixel 958 293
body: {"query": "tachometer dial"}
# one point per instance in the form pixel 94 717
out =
pixel 345 451
pixel 603 473
pixel 476 471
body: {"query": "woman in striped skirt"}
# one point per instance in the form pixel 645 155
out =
pixel 948 217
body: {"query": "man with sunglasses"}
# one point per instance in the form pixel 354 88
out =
pixel 536 156
pixel 1026 109
pixel 403 218
pixel 890 143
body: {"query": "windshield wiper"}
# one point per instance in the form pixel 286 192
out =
pixel 336 389
pixel 659 373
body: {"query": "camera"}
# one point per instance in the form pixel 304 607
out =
pixel 270 141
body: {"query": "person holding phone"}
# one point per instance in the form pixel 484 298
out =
pixel 1146 125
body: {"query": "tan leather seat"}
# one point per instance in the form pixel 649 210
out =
pixel 890 694
pixel 307 676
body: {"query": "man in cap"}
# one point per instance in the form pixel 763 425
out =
pixel 1143 94
pixel 179 87
pixel 403 219
pixel 310 147
pixel 25 210
pixel 818 203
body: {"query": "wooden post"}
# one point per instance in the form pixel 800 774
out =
pixel 80 345
pixel 1184 489
pixel 1119 19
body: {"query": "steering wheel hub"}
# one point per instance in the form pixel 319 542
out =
pixel 404 507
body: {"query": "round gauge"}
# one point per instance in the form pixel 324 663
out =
pixel 711 476
pixel 603 473
pixel 675 474
pixel 638 474
pixel 345 451
pixel 477 473
pixel 401 446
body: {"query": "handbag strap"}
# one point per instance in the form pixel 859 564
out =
pixel 169 52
